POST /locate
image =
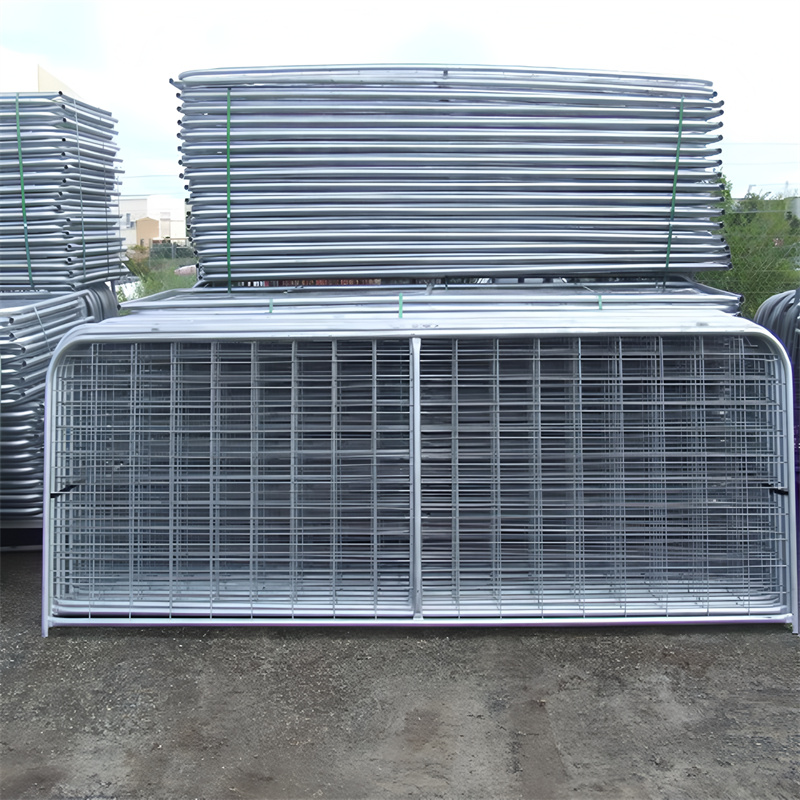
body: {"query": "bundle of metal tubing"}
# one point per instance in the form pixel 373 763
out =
pixel 58 193
pixel 31 326
pixel 648 296
pixel 358 172
pixel 781 315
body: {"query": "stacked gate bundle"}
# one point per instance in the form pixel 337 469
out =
pixel 31 326
pixel 58 217
pixel 781 315
pixel 470 457
pixel 60 251
pixel 609 445
pixel 566 297
pixel 408 171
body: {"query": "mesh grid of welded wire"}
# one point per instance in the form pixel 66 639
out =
pixel 59 221
pixel 365 172
pixel 527 477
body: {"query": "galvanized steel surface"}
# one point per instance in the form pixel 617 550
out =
pixel 409 171
pixel 607 465
pixel 432 299
pixel 781 315
pixel 62 232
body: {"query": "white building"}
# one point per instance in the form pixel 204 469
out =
pixel 20 72
pixel 170 212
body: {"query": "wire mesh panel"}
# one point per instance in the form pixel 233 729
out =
pixel 232 478
pixel 420 475
pixel 602 476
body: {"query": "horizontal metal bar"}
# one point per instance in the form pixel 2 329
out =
pixel 556 622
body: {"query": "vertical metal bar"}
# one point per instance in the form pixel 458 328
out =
pixel 700 389
pixel 90 536
pixel 255 486
pixel 294 495
pixel 134 427
pixel 174 404
pixel 416 480
pixel 53 456
pixel 214 443
pixel 495 502
pixel 333 500
pixel 455 491
pixel 621 566
pixel 579 490
pixel 749 515
pixel 374 487
pixel 536 534
pixel 658 409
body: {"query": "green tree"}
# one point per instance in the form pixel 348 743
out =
pixel 764 239
pixel 155 268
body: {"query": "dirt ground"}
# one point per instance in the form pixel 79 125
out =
pixel 209 713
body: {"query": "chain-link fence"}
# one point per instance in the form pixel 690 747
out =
pixel 763 234
pixel 158 267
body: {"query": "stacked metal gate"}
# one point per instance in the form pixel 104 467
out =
pixel 31 326
pixel 59 226
pixel 366 467
pixel 409 171
pixel 608 446
pixel 60 251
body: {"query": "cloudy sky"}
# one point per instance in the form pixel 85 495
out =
pixel 120 56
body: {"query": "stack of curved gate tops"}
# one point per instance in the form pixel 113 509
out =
pixel 781 315
pixel 409 171
pixel 59 224
pixel 59 252
pixel 604 442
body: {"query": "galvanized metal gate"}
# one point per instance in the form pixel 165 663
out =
pixel 551 477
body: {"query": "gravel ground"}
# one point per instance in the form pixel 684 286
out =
pixel 652 712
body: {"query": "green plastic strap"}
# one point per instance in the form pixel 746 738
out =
pixel 106 206
pixel 24 209
pixel 80 188
pixel 400 307
pixel 674 190
pixel 229 189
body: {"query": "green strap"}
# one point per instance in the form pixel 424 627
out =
pixel 24 208
pixel 106 205
pixel 229 189
pixel 80 188
pixel 674 190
